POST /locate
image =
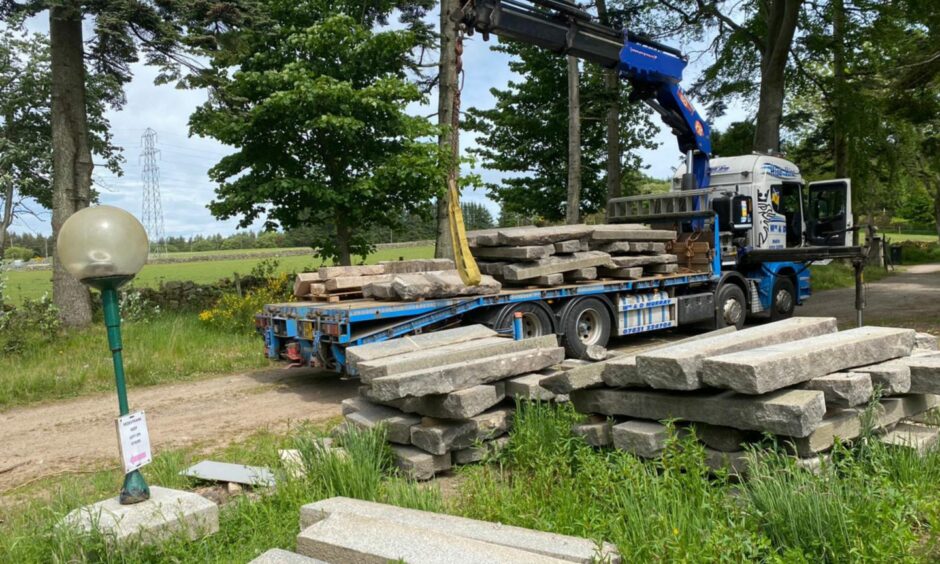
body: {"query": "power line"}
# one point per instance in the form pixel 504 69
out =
pixel 152 207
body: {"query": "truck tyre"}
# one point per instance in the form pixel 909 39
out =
pixel 730 306
pixel 587 322
pixel 536 320
pixel 784 299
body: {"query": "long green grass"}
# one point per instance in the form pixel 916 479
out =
pixel 170 347
pixel 870 503
pixel 33 284
pixel 840 275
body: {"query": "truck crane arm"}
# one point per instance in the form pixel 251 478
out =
pixel 654 70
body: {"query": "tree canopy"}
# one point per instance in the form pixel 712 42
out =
pixel 315 103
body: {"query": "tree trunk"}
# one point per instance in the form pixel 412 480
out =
pixel 342 244
pixel 612 85
pixel 839 91
pixel 573 208
pixel 7 218
pixel 936 207
pixel 71 155
pixel 449 141
pixel 781 17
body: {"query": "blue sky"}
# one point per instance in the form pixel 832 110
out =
pixel 184 160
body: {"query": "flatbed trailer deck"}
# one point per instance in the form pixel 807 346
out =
pixel 317 333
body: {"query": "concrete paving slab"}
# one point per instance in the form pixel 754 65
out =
pixel 551 545
pixel 213 471
pixel 678 367
pixel 167 513
pixel 785 412
pixel 777 366
pixel 410 343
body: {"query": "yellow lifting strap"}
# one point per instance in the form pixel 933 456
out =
pixel 466 265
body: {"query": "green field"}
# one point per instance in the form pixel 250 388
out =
pixel 22 284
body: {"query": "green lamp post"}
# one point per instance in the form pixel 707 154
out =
pixel 105 247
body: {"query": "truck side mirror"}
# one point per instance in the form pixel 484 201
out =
pixel 735 213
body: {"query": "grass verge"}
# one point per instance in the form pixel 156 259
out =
pixel 870 503
pixel 168 348
pixel 840 275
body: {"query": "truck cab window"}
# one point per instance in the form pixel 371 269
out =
pixel 787 201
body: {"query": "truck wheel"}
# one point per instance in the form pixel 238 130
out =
pixel 586 323
pixel 730 307
pixel 535 320
pixel 784 299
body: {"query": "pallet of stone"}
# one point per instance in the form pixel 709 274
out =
pixel 418 286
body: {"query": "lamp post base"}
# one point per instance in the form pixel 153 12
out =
pixel 135 489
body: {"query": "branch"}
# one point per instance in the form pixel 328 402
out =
pixel 712 10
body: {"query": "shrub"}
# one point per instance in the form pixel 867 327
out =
pixel 33 323
pixel 136 307
pixel 18 253
pixel 235 312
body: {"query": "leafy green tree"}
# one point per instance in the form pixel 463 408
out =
pixel 737 139
pixel 315 104
pixel 476 216
pixel 526 135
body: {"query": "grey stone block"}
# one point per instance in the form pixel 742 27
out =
pixel 167 513
pixel 643 260
pixel 410 343
pixel 344 537
pixel 724 439
pixel 543 235
pixel 397 424
pixel 441 284
pixel 556 279
pixel 920 438
pixel 581 274
pixel 622 273
pixel 570 246
pixel 595 431
pixel 492 268
pixel 646 439
pixel 924 342
pixel 280 556
pixel 580 377
pixel 476 453
pixel 555 264
pixel 453 377
pixel 735 463
pixel 843 389
pixel 379 291
pixel 621 372
pixel 439 436
pixel 302 283
pixel 551 545
pixel 892 377
pixel 769 368
pixel 462 404
pixel 416 265
pixel 352 283
pixel 529 387
pixel 678 367
pixel 439 356
pixel 628 232
pixel 531 252
pixel 925 374
pixel 786 412
pixel 661 268
pixel 418 464
pixel 326 272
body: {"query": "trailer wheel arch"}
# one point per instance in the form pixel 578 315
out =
pixel 497 317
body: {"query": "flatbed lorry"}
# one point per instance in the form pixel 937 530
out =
pixel 760 225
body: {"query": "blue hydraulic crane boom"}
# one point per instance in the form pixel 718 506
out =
pixel 654 70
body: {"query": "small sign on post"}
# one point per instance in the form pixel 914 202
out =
pixel 134 441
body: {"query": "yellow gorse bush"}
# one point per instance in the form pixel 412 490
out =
pixel 235 313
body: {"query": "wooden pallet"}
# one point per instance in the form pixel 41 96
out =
pixel 338 296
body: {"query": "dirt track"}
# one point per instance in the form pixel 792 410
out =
pixel 909 299
pixel 76 435
pixel 79 434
